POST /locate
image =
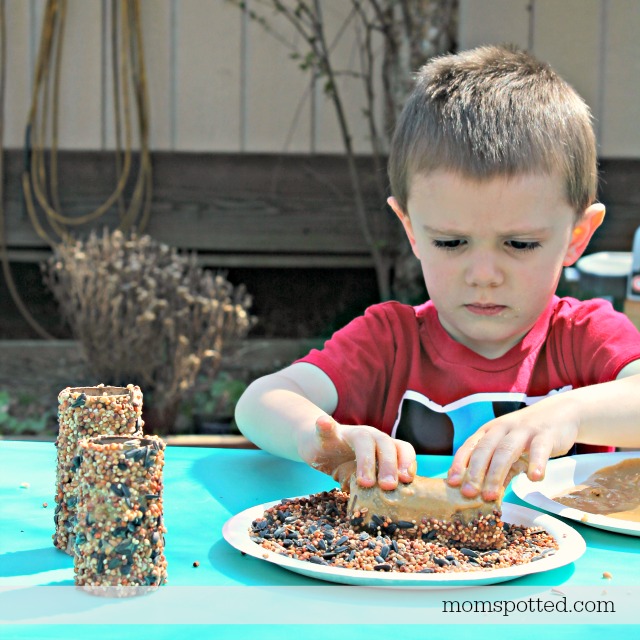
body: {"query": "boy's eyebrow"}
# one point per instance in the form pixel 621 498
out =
pixel 534 231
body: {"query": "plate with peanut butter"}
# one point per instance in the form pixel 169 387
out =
pixel 600 490
pixel 323 536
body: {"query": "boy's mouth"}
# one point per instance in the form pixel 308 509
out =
pixel 485 309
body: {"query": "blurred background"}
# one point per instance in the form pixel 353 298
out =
pixel 193 191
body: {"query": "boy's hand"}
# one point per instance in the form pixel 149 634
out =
pixel 518 441
pixel 331 445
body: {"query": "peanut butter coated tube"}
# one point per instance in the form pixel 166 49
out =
pixel 431 498
pixel 424 497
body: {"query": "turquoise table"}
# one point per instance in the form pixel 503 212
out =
pixel 234 596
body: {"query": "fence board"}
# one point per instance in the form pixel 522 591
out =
pixel 264 210
pixel 248 210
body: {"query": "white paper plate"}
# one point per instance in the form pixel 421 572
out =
pixel 564 473
pixel 571 547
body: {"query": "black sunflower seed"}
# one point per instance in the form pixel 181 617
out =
pixel 117 489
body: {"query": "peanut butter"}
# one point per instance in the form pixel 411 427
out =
pixel 611 491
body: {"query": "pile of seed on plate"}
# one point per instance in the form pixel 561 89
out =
pixel 119 535
pixel 318 529
pixel 85 412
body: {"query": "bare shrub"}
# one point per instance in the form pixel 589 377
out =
pixel 147 315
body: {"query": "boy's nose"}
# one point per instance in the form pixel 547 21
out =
pixel 483 271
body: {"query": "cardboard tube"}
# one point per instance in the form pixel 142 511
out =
pixel 430 498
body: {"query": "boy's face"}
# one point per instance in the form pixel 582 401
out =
pixel 492 251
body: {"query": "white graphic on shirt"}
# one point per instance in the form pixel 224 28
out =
pixel 464 416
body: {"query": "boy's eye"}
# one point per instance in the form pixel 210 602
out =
pixel 448 245
pixel 522 245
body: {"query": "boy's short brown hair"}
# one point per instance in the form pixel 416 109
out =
pixel 494 111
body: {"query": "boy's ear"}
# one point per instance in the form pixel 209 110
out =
pixel 582 231
pixel 406 223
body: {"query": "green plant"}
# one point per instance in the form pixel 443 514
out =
pixel 218 399
pixel 24 423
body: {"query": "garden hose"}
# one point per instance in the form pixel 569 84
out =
pixel 40 184
pixel 4 256
pixel 128 65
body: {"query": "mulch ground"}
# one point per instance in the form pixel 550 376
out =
pixel 34 372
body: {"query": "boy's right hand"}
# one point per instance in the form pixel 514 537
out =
pixel 332 444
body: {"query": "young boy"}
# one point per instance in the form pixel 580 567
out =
pixel 493 175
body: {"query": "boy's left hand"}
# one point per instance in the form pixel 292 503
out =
pixel 518 441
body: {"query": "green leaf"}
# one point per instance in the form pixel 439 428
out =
pixel 5 401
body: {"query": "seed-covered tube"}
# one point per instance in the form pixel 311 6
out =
pixel 119 534
pixel 86 412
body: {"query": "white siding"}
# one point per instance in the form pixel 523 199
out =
pixel 593 44
pixel 80 122
pixel 207 76
pixel 347 50
pixel 156 34
pixel 18 71
pixel 620 88
pixel 567 35
pixel 218 82
pixel 276 93
pixel 493 22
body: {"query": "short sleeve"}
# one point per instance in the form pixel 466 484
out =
pixel 598 341
pixel 360 359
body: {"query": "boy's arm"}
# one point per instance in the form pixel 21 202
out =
pixel 281 405
pixel 600 414
pixel 288 413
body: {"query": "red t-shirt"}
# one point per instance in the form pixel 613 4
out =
pixel 397 369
